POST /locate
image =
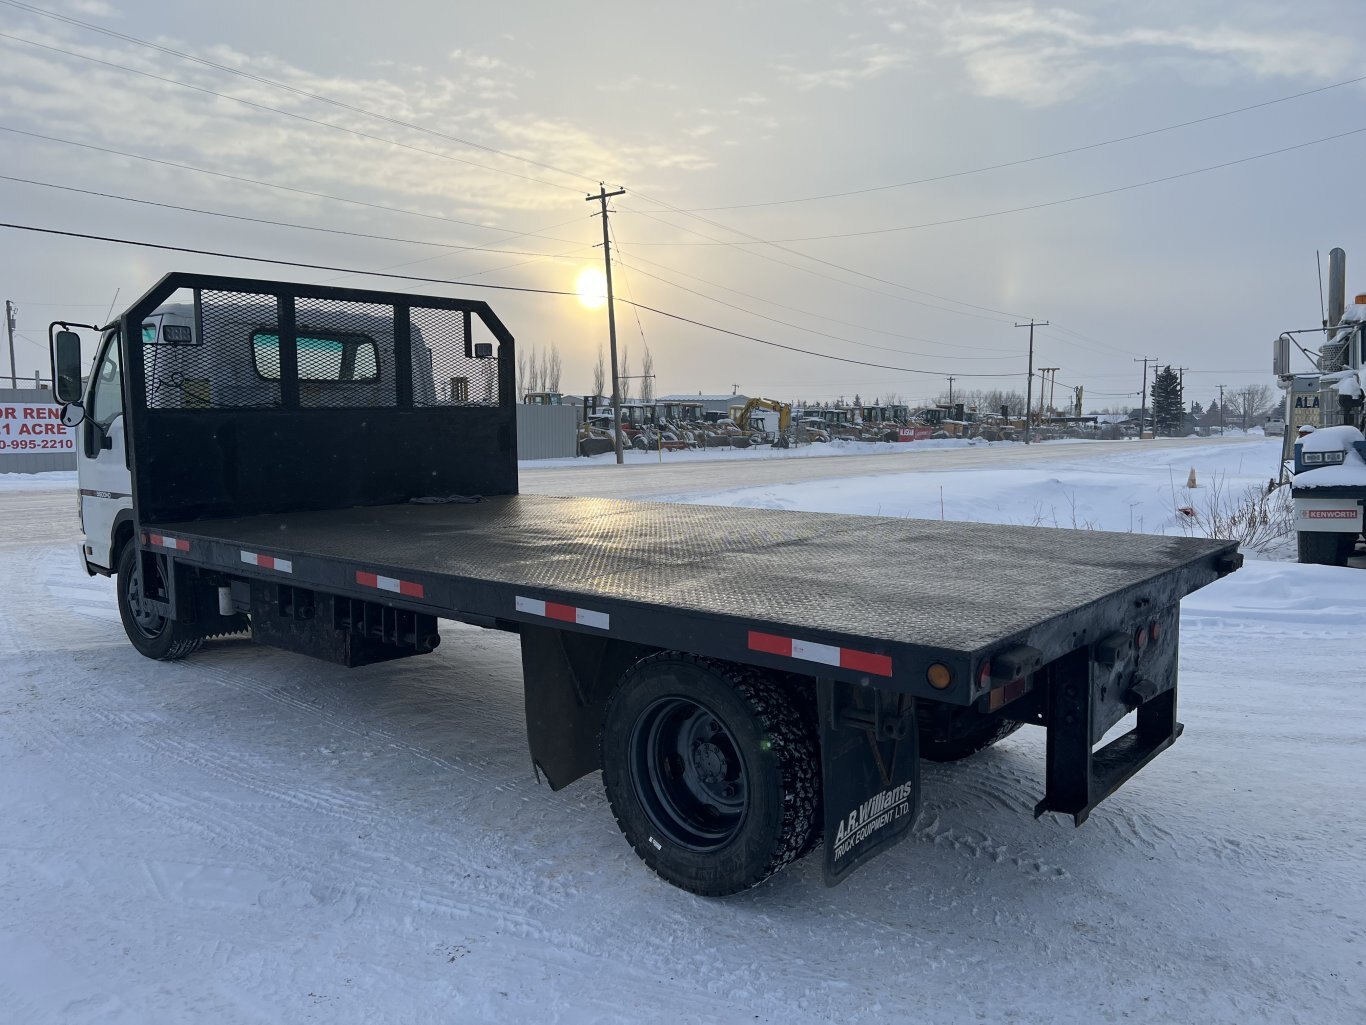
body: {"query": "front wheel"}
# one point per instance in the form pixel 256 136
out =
pixel 151 633
pixel 712 772
pixel 1325 548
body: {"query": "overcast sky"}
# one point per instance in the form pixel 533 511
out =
pixel 715 109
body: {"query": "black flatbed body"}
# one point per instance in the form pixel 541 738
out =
pixel 706 578
pixel 280 457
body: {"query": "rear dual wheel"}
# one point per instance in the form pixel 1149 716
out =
pixel 712 772
pixel 153 634
pixel 950 735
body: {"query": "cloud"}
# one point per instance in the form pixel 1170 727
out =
pixel 95 8
pixel 1043 55
pixel 73 99
pixel 851 66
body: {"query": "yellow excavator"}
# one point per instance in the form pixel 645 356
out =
pixel 784 411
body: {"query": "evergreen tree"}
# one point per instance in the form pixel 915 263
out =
pixel 1168 405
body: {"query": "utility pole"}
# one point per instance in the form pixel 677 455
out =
pixel 1221 411
pixel 1143 396
pixel 602 197
pixel 11 315
pixel 1181 387
pixel 951 379
pixel 1029 383
pixel 1043 376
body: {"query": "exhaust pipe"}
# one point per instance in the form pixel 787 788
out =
pixel 1337 285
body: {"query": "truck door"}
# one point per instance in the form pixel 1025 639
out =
pixel 102 461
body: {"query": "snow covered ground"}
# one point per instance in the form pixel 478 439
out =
pixel 251 836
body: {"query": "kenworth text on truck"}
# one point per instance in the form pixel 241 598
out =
pixel 335 471
pixel 1325 419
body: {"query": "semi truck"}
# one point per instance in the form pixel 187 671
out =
pixel 1326 416
pixel 334 472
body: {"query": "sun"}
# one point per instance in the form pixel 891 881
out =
pixel 591 288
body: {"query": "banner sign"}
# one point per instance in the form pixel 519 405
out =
pixel 914 433
pixel 28 427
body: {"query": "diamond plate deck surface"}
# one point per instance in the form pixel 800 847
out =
pixel 949 585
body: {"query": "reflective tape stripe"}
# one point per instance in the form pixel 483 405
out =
pixel 825 654
pixel 392 584
pixel 563 613
pixel 176 543
pixel 268 562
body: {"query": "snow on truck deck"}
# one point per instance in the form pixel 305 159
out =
pixel 253 836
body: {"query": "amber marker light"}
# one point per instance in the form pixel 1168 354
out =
pixel 939 675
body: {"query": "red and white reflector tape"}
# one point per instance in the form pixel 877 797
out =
pixel 178 544
pixel 564 613
pixel 826 654
pixel 405 587
pixel 268 562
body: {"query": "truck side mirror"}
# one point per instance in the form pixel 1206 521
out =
pixel 483 350
pixel 66 366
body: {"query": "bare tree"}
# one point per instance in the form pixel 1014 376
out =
pixel 647 381
pixel 523 365
pixel 1248 402
pixel 624 370
pixel 538 369
pixel 599 375
pixel 553 366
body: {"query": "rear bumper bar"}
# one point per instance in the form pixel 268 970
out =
pixel 1079 778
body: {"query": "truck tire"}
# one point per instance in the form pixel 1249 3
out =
pixel 154 636
pixel 961 733
pixel 1325 548
pixel 712 772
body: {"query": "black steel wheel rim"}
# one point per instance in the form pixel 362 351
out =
pixel 148 623
pixel 688 775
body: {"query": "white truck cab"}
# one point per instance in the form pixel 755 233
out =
pixel 339 365
pixel 102 462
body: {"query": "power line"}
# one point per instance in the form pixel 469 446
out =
pixel 799 327
pixel 296 90
pixel 256 181
pixel 137 243
pixel 805 352
pixel 1032 206
pixel 808 313
pixel 275 223
pixel 370 113
pixel 442 245
pixel 755 240
pixel 1033 159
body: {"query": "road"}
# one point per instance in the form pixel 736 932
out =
pixel 655 480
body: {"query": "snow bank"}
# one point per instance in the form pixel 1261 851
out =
pixel 1137 489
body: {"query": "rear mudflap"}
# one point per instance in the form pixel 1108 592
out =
pixel 871 765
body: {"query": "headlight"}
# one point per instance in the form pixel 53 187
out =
pixel 1311 457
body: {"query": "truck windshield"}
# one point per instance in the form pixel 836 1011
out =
pixel 330 357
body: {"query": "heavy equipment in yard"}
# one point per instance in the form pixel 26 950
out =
pixel 779 436
pixel 335 471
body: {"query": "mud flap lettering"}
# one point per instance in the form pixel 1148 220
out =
pixel 870 759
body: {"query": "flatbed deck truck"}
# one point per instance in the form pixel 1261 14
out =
pixel 335 471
